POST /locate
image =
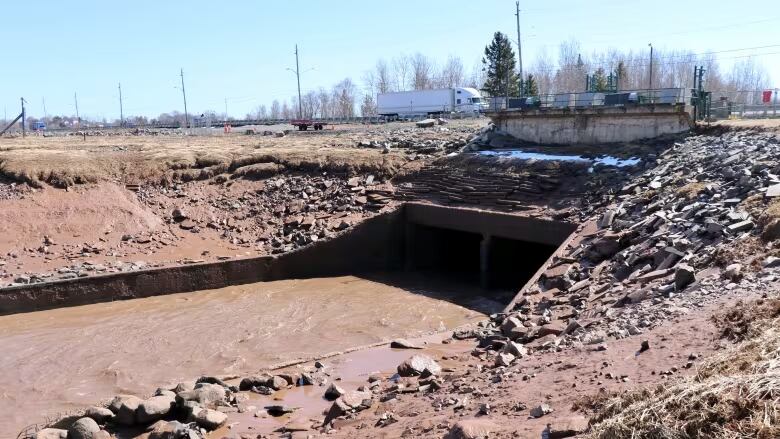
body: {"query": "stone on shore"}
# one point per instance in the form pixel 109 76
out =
pixel 99 414
pixel 154 408
pixel 84 428
pixel 210 419
pixel 472 429
pixel 51 433
pixel 418 364
pixel 125 406
pixel 401 343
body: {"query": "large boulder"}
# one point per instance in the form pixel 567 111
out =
pixel 210 419
pixel 124 407
pixel 417 364
pixel 154 408
pixel 100 414
pixel 173 430
pixel 426 123
pixel 262 380
pixel 51 433
pixel 333 392
pixel 207 395
pixel 684 275
pixel 350 401
pixel 84 428
pixel 472 429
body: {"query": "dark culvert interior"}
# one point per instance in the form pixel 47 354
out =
pixel 498 265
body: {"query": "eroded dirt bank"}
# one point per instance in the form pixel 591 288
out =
pixel 96 351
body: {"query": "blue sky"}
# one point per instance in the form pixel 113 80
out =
pixel 240 49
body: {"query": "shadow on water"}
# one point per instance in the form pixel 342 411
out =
pixel 459 288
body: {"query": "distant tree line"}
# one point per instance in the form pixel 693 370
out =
pixel 497 75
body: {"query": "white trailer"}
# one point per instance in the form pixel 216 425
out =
pixel 430 102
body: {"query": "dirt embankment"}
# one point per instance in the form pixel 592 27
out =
pixel 76 206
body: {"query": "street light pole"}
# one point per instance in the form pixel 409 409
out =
pixel 519 46
pixel 184 95
pixel 121 110
pixel 298 75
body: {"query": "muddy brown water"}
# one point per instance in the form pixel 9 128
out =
pixel 59 361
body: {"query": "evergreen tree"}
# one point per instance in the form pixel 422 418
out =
pixel 499 67
pixel 599 81
pixel 622 74
pixel 530 87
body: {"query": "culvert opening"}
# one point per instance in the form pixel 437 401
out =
pixel 450 252
pixel 497 252
pixel 512 262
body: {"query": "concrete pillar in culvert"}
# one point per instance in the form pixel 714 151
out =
pixel 409 247
pixel 484 261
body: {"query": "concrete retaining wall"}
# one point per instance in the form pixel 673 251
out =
pixel 593 125
pixel 376 244
pixel 372 245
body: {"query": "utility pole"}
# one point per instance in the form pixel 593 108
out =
pixel 184 95
pixel 298 75
pixel 121 109
pixel 45 115
pixel 76 100
pixel 24 120
pixel 519 47
pixel 650 81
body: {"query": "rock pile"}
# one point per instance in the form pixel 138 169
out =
pixel 281 213
pixel 654 250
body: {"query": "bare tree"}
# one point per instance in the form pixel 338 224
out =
pixel 422 72
pixel 344 98
pixel 453 73
pixel 477 77
pixel 368 106
pixel 402 67
pixel 382 76
pixel 369 80
pixel 543 70
pixel 746 81
pixel 323 97
pixel 276 111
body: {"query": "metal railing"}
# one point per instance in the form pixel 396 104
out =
pixel 661 96
pixel 745 111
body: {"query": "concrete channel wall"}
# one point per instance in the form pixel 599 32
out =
pixel 590 126
pixel 377 244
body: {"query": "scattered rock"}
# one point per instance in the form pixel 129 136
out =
pixel 84 428
pixel 683 276
pixel 99 414
pixel 154 408
pixel 540 410
pixel 401 343
pixel 210 419
pixel 472 429
pixel 51 433
pixel 333 392
pixel 417 365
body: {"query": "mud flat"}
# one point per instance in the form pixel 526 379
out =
pixel 63 360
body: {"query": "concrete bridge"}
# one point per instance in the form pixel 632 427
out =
pixel 593 125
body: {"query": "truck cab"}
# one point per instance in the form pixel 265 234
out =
pixel 468 100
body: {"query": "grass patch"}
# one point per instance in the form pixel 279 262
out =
pixel 733 395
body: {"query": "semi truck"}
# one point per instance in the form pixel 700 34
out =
pixel 430 102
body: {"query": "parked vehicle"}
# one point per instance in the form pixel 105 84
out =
pixel 304 124
pixel 430 102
